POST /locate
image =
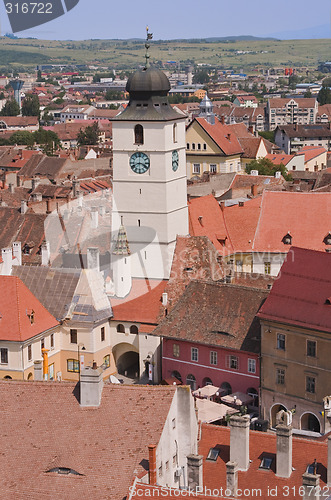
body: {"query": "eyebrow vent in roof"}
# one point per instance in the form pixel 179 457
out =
pixel 65 471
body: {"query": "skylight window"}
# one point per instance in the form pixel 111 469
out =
pixel 64 471
pixel 266 463
pixel 213 454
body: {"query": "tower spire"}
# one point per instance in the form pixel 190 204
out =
pixel 149 36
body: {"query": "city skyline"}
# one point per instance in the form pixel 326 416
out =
pixel 184 20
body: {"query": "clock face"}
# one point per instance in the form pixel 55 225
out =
pixel 175 160
pixel 139 162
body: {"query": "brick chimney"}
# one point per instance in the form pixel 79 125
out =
pixel 254 190
pixel 194 471
pixel 222 205
pixel 91 384
pixel 152 464
pixel 284 450
pixel 222 120
pixel 48 206
pixel 239 441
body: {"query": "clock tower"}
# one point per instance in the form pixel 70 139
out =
pixel 149 174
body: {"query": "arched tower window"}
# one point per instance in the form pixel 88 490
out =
pixel 138 134
pixel 174 132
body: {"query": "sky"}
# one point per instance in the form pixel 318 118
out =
pixel 183 19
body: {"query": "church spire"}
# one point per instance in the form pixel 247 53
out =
pixel 122 245
pixel 149 36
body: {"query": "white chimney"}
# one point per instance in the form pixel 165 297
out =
pixel 94 217
pixel 45 254
pixel 232 478
pixel 24 207
pixel 80 198
pixel 91 384
pixel 254 172
pixel 38 370
pixel 329 462
pixel 311 486
pixel 165 299
pixel 17 251
pixel 194 472
pixel 93 258
pixel 11 188
pixel 7 257
pixel 284 450
pixel 278 174
pixel 102 210
pixel 239 441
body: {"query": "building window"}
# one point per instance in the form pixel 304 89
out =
pixel 138 134
pixel 73 365
pixel 188 145
pixel 174 132
pixel 190 380
pixel 4 355
pixel 160 470
pixel 102 334
pixel 175 350
pixel 106 361
pixel 42 344
pixel 213 357
pixel 280 376
pixel 193 145
pixel 233 362
pixel 194 354
pixel 204 146
pixel 213 168
pixel 311 348
pixel 52 341
pixel 267 267
pixel 310 385
pixel 196 168
pixel 134 329
pixel 199 146
pixel 251 366
pixel 120 328
pixel 174 423
pixel 281 341
pixel 213 454
pixel 29 352
pixel 51 372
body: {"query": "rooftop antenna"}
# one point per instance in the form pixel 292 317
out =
pixel 149 36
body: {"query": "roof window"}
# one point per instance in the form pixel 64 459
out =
pixel 64 471
pixel 287 240
pixel 266 463
pixel 213 454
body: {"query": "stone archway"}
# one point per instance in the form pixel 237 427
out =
pixel 126 358
pixel 273 413
pixel 309 422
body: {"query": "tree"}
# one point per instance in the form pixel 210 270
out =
pixel 265 167
pixel 22 138
pixel 201 76
pixel 324 95
pixel 308 94
pixel 89 136
pixel 48 140
pixel 11 108
pixel 30 105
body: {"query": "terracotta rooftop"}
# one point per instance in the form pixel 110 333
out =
pixel 303 102
pixel 143 303
pixel 222 135
pixel 17 303
pixel 104 445
pixel 312 152
pixel 261 444
pixel 300 294
pixel 216 314
pixel 20 121
pixel 306 131
pixel 277 159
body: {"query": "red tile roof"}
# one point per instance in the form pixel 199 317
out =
pixel 222 135
pixel 304 453
pixel 277 159
pixel 43 427
pixel 143 303
pixel 16 303
pixel 312 152
pixel 261 224
pixel 299 296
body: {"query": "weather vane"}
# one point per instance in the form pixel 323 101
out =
pixel 149 36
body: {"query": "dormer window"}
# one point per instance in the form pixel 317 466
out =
pixel 327 239
pixel 30 315
pixel 138 134
pixel 266 463
pixel 287 240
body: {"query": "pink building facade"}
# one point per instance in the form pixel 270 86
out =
pixel 198 365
